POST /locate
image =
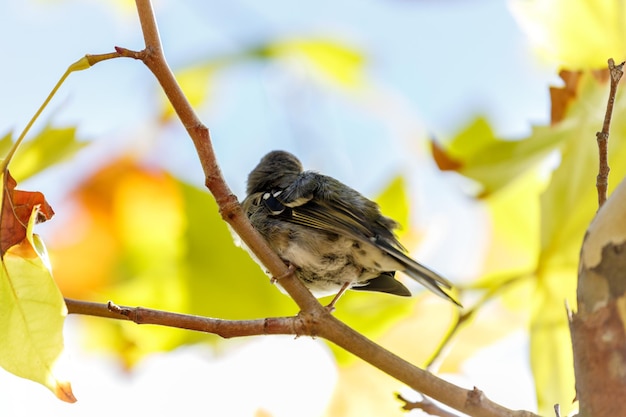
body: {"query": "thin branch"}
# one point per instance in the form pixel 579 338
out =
pixel 602 180
pixel 465 317
pixel 426 406
pixel 223 328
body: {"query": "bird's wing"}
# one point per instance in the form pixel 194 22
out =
pixel 334 215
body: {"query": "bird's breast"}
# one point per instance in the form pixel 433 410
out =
pixel 326 261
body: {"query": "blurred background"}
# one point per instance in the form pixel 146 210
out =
pixel 359 90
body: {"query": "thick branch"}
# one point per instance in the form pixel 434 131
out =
pixel 598 328
pixel 473 403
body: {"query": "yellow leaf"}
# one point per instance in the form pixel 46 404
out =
pixel 333 60
pixel 539 239
pixel 394 203
pixel 375 393
pixel 141 237
pixel 50 146
pixel 195 83
pixel 32 315
pixel 568 205
pixel 478 154
pixel 5 144
pixel 514 214
pixel 574 34
pixel 338 62
pixel 551 357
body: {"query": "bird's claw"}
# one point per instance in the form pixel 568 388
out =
pixel 290 270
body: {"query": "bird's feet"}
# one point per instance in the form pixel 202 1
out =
pixel 290 271
pixel 331 307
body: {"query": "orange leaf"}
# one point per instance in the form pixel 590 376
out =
pixel 561 97
pixel 444 161
pixel 17 207
pixel 64 392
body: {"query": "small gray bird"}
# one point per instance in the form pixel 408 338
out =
pixel 333 237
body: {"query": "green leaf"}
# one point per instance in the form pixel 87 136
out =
pixel 222 280
pixel 177 254
pixel 32 315
pixel 192 265
pixel 50 146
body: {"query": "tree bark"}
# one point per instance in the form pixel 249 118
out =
pixel 599 327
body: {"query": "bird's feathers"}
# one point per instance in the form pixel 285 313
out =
pixel 280 190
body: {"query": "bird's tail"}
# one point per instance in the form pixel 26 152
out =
pixel 430 279
pixel 425 276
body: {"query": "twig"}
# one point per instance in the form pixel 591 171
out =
pixel 465 317
pixel 94 59
pixel 426 406
pixel 602 180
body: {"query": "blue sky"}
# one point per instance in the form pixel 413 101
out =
pixel 440 62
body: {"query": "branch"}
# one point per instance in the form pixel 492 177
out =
pixel 465 317
pixel 230 209
pixel 426 406
pixel 313 319
pixel 602 180
pixel 223 328
pixel 473 402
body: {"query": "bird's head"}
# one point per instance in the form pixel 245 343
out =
pixel 276 170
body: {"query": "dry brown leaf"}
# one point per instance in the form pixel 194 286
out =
pixel 561 97
pixel 17 207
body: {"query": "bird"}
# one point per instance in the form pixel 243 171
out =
pixel 331 236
